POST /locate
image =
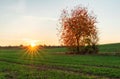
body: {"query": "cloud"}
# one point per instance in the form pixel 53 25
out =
pixel 30 24
pixel 34 18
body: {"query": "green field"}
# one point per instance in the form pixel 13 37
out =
pixel 52 63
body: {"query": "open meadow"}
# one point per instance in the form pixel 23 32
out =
pixel 52 63
pixel 59 39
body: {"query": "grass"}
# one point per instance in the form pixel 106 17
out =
pixel 111 48
pixel 51 63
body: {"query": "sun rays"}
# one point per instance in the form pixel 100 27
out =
pixel 33 50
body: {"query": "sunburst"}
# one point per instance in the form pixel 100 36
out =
pixel 32 50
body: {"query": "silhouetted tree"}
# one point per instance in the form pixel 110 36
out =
pixel 78 30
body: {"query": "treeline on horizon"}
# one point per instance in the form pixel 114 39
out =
pixel 56 46
pixel 22 46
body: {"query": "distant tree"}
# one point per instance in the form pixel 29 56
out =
pixel 78 30
pixel 21 45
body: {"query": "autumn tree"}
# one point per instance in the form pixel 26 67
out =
pixel 78 30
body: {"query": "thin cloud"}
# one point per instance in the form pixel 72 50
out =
pixel 39 18
pixel 17 7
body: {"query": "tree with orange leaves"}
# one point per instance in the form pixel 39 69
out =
pixel 78 30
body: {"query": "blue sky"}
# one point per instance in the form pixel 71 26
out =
pixel 26 20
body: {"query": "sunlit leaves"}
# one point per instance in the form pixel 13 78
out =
pixel 78 28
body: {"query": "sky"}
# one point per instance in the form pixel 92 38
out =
pixel 23 21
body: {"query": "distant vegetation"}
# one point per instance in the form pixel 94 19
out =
pixel 103 48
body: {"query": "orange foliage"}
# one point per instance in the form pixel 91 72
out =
pixel 78 30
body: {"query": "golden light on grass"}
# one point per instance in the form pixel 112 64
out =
pixel 32 50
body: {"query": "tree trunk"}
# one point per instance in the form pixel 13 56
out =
pixel 78 45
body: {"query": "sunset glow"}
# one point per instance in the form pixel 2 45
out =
pixel 32 44
pixel 32 50
pixel 19 20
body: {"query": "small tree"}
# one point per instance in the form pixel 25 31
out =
pixel 78 30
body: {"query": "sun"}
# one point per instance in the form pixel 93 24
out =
pixel 33 49
pixel 32 44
